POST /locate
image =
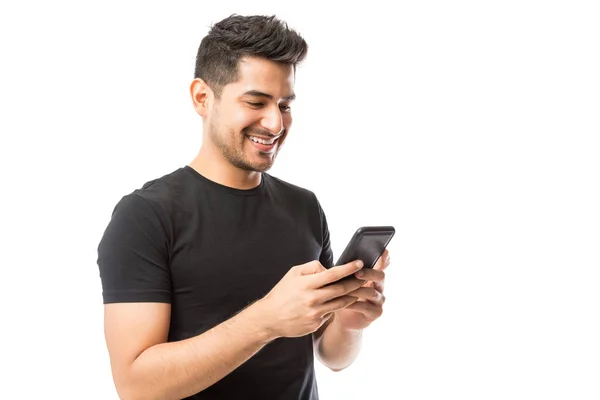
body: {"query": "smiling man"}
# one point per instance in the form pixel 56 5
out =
pixel 247 120
pixel 218 278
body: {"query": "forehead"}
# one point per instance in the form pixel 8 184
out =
pixel 265 76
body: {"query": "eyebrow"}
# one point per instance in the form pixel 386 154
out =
pixel 256 93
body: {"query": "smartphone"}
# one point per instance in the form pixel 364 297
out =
pixel 367 244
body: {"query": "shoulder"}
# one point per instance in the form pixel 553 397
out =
pixel 302 200
pixel 162 189
pixel 155 199
pixel 162 192
pixel 289 189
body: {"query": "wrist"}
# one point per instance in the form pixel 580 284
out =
pixel 259 317
pixel 339 346
pixel 338 326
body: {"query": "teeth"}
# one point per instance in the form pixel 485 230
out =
pixel 262 141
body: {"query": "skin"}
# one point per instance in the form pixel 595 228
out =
pixel 307 300
pixel 227 156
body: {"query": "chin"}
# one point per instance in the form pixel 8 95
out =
pixel 252 165
pixel 262 167
pixel 261 162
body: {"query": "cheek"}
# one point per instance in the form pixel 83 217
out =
pixel 243 118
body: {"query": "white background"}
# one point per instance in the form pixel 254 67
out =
pixel 471 126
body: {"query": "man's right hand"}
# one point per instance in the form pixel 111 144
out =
pixel 305 298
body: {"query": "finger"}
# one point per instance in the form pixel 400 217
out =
pixel 379 286
pixel 336 304
pixel 383 262
pixel 379 263
pixel 378 301
pixel 370 311
pixel 367 293
pixel 369 274
pixel 334 274
pixel 338 289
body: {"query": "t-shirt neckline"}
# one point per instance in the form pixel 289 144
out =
pixel 240 192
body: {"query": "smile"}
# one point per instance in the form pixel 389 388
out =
pixel 262 141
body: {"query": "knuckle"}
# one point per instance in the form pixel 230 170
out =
pixel 344 289
pixel 353 284
pixel 317 264
pixel 311 300
pixel 337 292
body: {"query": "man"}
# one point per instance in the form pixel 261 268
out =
pixel 217 278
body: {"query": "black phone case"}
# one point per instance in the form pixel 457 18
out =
pixel 367 244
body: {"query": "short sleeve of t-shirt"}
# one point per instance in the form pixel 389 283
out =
pixel 133 254
pixel 326 258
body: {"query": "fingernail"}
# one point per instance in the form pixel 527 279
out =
pixel 360 274
pixel 359 264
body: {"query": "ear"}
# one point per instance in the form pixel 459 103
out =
pixel 202 96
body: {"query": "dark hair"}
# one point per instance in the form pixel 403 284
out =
pixel 239 36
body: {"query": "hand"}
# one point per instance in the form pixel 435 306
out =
pixel 369 306
pixel 306 297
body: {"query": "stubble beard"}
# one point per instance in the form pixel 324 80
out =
pixel 234 153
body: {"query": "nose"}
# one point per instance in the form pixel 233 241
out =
pixel 272 120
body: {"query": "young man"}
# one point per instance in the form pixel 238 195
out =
pixel 217 278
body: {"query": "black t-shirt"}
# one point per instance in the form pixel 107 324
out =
pixel 210 250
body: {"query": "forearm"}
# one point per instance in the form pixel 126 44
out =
pixel 180 369
pixel 337 348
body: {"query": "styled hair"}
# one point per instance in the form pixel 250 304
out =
pixel 239 36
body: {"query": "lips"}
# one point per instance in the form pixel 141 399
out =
pixel 265 141
pixel 266 146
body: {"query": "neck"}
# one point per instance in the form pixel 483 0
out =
pixel 211 164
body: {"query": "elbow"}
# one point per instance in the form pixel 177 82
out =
pixel 337 369
pixel 137 391
pixel 132 395
pixel 332 365
pixel 127 390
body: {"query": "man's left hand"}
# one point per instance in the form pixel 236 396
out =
pixel 369 306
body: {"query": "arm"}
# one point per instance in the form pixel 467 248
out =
pixel 338 343
pixel 336 347
pixel 133 259
pixel 145 367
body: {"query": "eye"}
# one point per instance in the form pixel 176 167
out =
pixel 254 105
pixel 285 108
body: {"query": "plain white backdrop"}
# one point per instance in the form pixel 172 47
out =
pixel 472 127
